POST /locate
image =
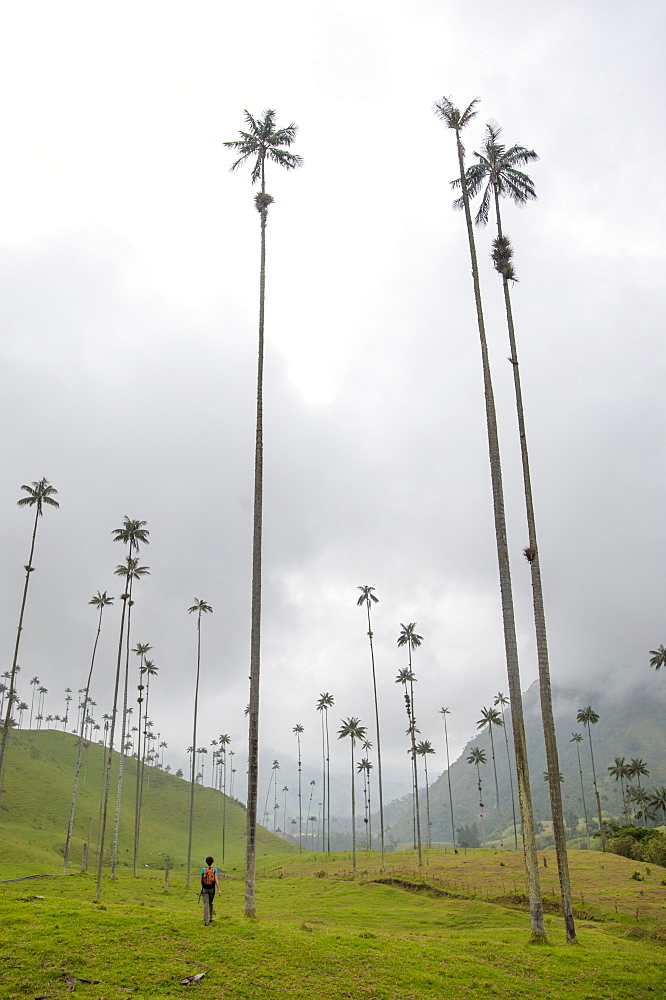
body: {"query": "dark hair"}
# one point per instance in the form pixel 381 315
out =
pixel 209 861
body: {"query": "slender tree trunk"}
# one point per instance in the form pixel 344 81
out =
pixel 328 788
pixel 12 679
pixel 194 754
pixel 552 756
pixel 582 792
pixel 513 800
pixel 300 808
pixel 224 804
pixel 140 765
pixel 379 742
pixel 353 805
pixel 70 826
pixel 596 790
pixel 448 778
pixel 412 727
pixel 255 638
pixel 425 765
pixel 109 759
pixel 497 798
pixel 510 643
pixel 323 759
pixel 123 733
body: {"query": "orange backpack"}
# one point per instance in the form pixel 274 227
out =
pixel 208 877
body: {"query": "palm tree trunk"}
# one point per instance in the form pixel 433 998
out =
pixel 194 755
pixel 448 778
pixel 513 800
pixel 596 790
pixel 510 643
pixel 109 760
pixel 300 806
pixel 70 826
pixel 497 798
pixel 582 792
pixel 353 805
pixel 425 765
pixel 255 637
pixel 379 743
pixel 412 730
pixel 552 757
pixel 123 733
pixel 12 679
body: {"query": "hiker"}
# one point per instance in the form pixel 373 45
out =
pixel 209 880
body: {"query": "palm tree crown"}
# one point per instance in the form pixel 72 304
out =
pixel 497 167
pixel 39 493
pixel 658 657
pixel 264 141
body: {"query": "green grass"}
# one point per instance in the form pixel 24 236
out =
pixel 315 937
pixel 37 796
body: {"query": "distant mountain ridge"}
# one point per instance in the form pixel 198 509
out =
pixel 632 724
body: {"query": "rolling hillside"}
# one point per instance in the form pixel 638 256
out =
pixel 36 801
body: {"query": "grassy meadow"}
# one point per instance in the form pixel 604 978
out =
pixel 455 929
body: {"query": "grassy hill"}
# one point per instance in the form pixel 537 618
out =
pixel 631 724
pixel 36 801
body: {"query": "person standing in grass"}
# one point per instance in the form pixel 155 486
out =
pixel 209 881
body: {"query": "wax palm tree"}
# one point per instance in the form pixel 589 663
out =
pixel 363 767
pixel 199 608
pixel 225 740
pixel 353 729
pixel 658 657
pixel 497 169
pixel 261 142
pixel 636 768
pixel 34 681
pixel 423 749
pixel 325 702
pixel 131 571
pixel 477 756
pixel 367 746
pixel 298 730
pixel 658 801
pixel 578 739
pixel 444 712
pixel 406 676
pixel 99 601
pixel 140 650
pixel 308 816
pixel 589 718
pixel 409 637
pixel 502 702
pixel 620 771
pixel 457 121
pixel 491 717
pixel 39 494
pixel 367 599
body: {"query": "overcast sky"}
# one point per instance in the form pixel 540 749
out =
pixel 129 265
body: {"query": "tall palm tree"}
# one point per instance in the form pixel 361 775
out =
pixel 636 768
pixel 457 121
pixel 477 756
pixel 497 169
pixel 409 637
pixel 34 681
pixel 405 677
pixel 325 702
pixel 502 702
pixel 491 717
pixel 133 533
pixel 148 669
pixel 298 730
pixel 261 142
pixel 367 599
pixel 199 608
pixel 444 712
pixel 578 739
pixel 225 740
pixel 423 748
pixel 99 602
pixel 658 800
pixel 589 718
pixel 658 657
pixel 353 729
pixel 38 494
pixel 620 770
pixel 364 767
pixel 131 571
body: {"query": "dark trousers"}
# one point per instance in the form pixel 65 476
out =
pixel 208 895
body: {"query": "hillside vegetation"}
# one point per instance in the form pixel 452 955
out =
pixel 36 801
